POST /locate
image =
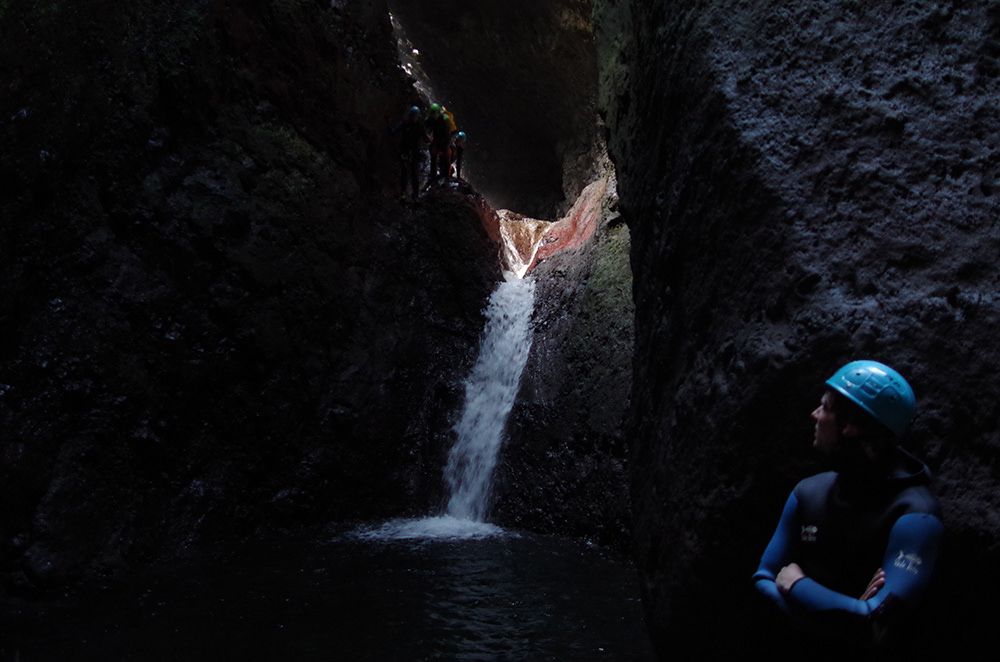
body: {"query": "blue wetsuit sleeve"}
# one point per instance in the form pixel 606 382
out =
pixel 910 555
pixel 778 553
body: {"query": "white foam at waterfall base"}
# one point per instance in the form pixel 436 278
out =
pixel 490 390
pixel 444 527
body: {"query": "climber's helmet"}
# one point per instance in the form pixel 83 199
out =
pixel 878 390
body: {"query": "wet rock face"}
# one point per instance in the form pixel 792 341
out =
pixel 522 81
pixel 216 320
pixel 804 184
pixel 521 238
pixel 585 217
pixel 563 467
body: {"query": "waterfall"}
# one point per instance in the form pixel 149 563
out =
pixel 490 390
pixel 521 236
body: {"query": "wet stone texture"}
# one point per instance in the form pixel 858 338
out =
pixel 805 183
pixel 563 467
pixel 216 320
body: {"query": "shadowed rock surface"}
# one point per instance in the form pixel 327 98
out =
pixel 217 323
pixel 563 468
pixel 805 183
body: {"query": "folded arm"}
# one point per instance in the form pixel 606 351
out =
pixel 907 565
pixel 780 552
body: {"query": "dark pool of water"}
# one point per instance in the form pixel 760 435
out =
pixel 508 598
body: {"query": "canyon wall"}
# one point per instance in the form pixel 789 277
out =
pixel 805 183
pixel 564 467
pixel 218 322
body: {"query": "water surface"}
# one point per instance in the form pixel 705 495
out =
pixel 501 597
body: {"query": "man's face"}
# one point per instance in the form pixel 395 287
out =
pixel 827 435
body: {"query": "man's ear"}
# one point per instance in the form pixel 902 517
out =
pixel 851 430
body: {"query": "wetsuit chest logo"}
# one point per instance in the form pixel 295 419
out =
pixel 809 533
pixel 908 562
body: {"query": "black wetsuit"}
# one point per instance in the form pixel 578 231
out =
pixel 841 528
pixel 411 142
pixel 459 154
pixel 440 128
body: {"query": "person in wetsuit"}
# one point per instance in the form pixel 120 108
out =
pixel 874 513
pixel 458 152
pixel 441 125
pixel 412 138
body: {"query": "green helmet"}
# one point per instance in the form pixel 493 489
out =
pixel 879 390
pixel 435 109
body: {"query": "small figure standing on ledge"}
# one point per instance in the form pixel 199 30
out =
pixel 412 139
pixel 458 152
pixel 441 125
pixel 873 513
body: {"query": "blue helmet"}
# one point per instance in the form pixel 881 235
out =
pixel 879 390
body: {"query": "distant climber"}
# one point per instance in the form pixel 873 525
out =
pixel 458 152
pixel 441 124
pixel 412 138
pixel 450 116
pixel 873 513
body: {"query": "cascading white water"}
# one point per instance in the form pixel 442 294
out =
pixel 521 236
pixel 490 390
